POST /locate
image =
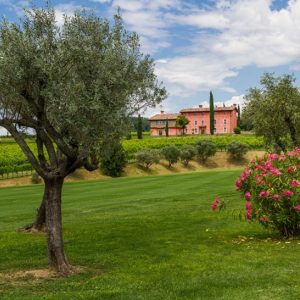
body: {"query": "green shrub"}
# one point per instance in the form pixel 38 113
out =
pixel 35 178
pixel 187 153
pixel 171 154
pixel 237 130
pixel 205 149
pixel 270 187
pixel 147 157
pixel 237 150
pixel 114 163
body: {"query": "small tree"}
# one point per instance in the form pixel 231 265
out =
pixel 147 157
pixel 237 150
pixel 211 113
pixel 72 86
pixel 205 149
pixel 237 130
pixel 181 122
pixel 139 128
pixel 114 162
pixel 171 154
pixel 187 153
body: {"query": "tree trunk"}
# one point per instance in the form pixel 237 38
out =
pixel 39 224
pixel 57 258
pixel 292 130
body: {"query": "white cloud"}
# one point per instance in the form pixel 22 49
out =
pixel 229 37
pixel 65 9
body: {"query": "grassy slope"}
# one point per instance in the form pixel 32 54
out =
pixel 149 238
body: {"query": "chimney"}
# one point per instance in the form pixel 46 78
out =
pixel 200 105
pixel 162 112
pixel 234 105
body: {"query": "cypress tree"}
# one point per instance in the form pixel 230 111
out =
pixel 239 117
pixel 167 128
pixel 139 128
pixel 212 112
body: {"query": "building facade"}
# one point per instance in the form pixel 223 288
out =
pixel 225 120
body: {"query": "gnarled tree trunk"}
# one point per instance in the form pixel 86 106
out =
pixel 56 254
pixel 40 222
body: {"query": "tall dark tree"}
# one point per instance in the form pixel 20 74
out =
pixel 211 113
pixel 139 128
pixel 72 86
pixel 239 117
pixel 167 128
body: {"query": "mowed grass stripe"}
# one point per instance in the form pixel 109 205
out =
pixel 149 238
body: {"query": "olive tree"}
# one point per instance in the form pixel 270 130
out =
pixel 274 109
pixel 72 86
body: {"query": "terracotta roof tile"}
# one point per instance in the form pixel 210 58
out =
pixel 164 117
pixel 204 109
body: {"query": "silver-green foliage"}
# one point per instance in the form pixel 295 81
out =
pixel 237 150
pixel 274 109
pixel 147 157
pixel 187 153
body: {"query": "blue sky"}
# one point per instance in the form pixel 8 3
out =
pixel 202 45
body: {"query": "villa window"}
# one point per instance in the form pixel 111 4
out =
pixel 215 130
pixel 225 130
pixel 225 121
pixel 196 122
pixel 196 130
pixel 202 122
pixel 215 122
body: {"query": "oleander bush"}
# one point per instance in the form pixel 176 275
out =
pixel 271 188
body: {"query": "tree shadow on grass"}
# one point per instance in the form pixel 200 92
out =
pixel 237 161
pixel 210 164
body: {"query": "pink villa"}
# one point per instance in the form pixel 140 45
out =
pixel 225 121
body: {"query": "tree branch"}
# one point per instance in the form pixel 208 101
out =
pixel 27 151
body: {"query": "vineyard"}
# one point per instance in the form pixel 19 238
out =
pixel 13 162
pixel 132 146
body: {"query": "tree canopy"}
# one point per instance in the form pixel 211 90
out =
pixel 181 122
pixel 72 86
pixel 274 109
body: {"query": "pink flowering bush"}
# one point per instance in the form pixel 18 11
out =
pixel 271 189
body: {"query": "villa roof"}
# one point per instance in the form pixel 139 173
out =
pixel 205 109
pixel 164 116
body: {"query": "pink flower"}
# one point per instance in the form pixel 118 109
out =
pixel 290 169
pixel 238 184
pixel 264 219
pixel 248 210
pixel 215 204
pixel 264 194
pixel 276 197
pixel 282 158
pixel 248 205
pixel 275 172
pixel 259 180
pixel 247 195
pixel 297 207
pixel 288 193
pixel 273 156
pixel 295 183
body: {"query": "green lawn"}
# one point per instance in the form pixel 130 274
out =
pixel 149 238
